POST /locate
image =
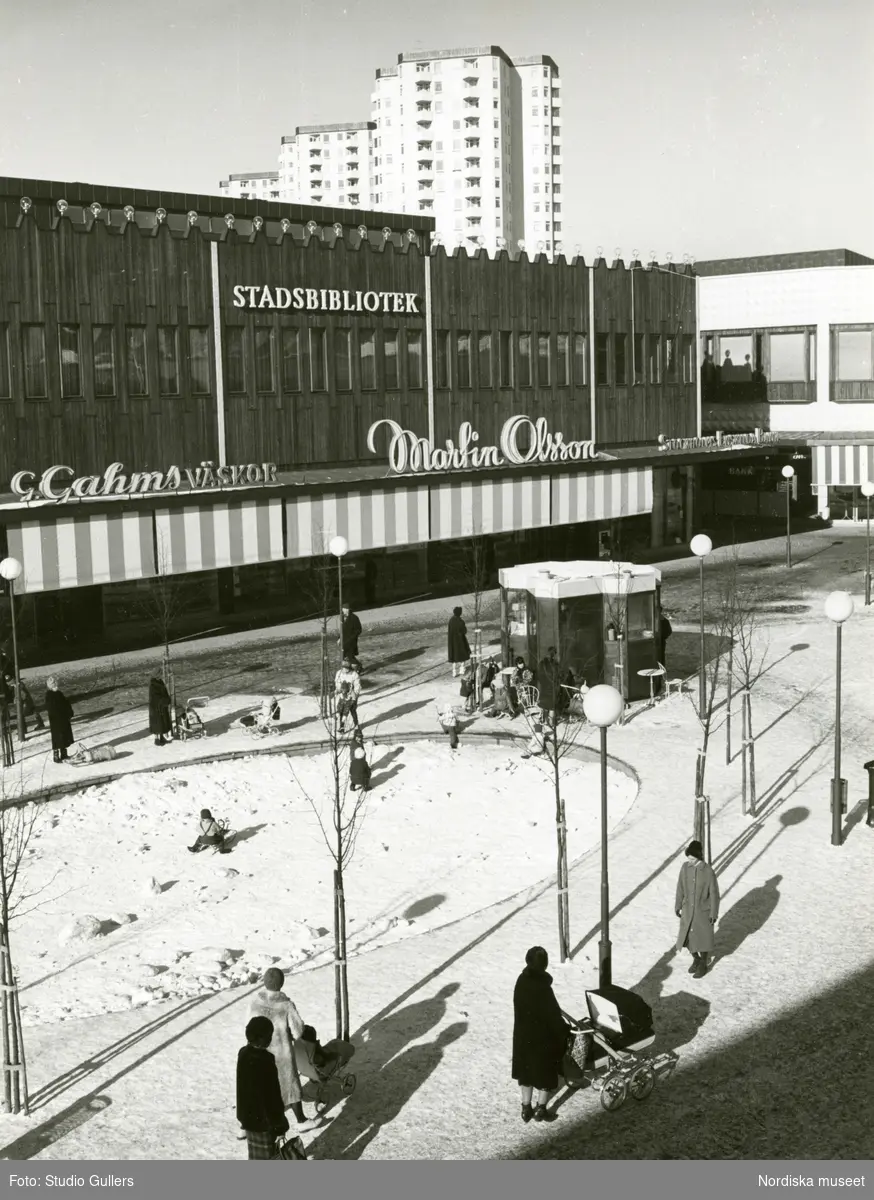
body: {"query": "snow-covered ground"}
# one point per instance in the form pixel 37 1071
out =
pixel 125 916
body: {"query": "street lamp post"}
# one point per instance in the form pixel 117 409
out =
pixel 10 569
pixel 701 546
pixel 338 547
pixel 603 706
pixel 788 473
pixel 868 492
pixel 838 608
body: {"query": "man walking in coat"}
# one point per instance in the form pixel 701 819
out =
pixel 350 633
pixel 457 645
pixel 697 906
pixel 259 1099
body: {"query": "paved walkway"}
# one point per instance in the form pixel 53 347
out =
pixel 772 1058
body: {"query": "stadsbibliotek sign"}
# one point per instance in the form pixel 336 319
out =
pixel 322 300
pixel 407 452
pixel 60 483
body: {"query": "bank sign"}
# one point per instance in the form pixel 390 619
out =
pixel 327 300
pixel 60 483
pixel 409 453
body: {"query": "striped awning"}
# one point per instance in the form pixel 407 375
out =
pixel 204 537
pixel 601 495
pixel 77 551
pixel 845 464
pixel 486 506
pixel 367 520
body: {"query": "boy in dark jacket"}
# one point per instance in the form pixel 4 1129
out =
pixel 359 770
pixel 259 1097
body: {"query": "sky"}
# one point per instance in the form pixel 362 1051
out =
pixel 709 130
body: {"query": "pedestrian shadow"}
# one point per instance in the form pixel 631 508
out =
pixel 387 758
pixel 746 917
pixel 365 1113
pixel 385 776
pixel 401 711
pixel 249 832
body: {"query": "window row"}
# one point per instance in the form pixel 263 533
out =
pixel 789 355
pixel 623 359
pixel 466 359
pixel 138 359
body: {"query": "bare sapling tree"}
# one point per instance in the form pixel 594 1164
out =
pixel 749 653
pixel 163 604
pixel 559 731
pixel 18 821
pixel 340 827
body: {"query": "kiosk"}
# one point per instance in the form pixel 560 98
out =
pixel 603 618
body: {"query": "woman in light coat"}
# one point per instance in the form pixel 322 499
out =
pixel 697 906
pixel 273 1003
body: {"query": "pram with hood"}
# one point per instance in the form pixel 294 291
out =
pixel 324 1065
pixel 603 1048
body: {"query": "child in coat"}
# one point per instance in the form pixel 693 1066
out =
pixel 449 723
pixel 359 770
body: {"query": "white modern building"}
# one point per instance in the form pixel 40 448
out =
pixel 471 137
pixel 256 185
pixel 788 346
pixel 328 164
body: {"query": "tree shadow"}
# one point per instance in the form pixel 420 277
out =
pixel 795 704
pixel 35 1141
pixel 385 776
pixel 387 1092
pixel 746 917
pixel 401 656
pixel 420 908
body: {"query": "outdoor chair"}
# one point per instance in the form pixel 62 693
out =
pixel 529 696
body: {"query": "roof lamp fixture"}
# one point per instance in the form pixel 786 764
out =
pixel 62 206
pixel 312 227
pixel 338 229
pixel 192 217
pixel 541 246
pixel 229 220
pixel 129 212
pixel 559 247
pixel 521 243
pixel 599 253
pixel 652 256
pixel 617 253
pixel 362 231
pixel 285 225
pixel 95 208
pixel 669 257
pixel 635 255
pixel 413 236
pixel 25 204
pixel 386 233
pixel 161 215
pixel 501 243
pixel 257 223
pixel 578 250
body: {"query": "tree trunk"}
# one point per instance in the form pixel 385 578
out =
pixel 743 753
pixel 323 676
pixel 338 956
pixel 728 706
pixel 752 752
pixel 344 965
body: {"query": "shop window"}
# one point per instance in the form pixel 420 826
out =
pixel 390 359
pixel 414 358
pixel 562 360
pixel 620 359
pixel 367 359
pixel 602 358
pixel 525 360
pixel 168 360
pixel 318 364
pixel 463 352
pixel 291 360
pixel 688 358
pixel 638 366
pixel 5 375
pixel 103 349
pixel 33 351
pixel 670 358
pixel 71 366
pixel 136 360
pixel 343 360
pixel 811 356
pixel 198 360
pixel 236 357
pixel 853 355
pixel 506 358
pixel 787 358
pixel 736 358
pixel 654 357
pixel 485 360
pixel 265 378
pixel 581 360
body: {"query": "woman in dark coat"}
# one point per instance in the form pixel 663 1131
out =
pixel 260 1109
pixel 351 632
pixel 697 906
pixel 159 711
pixel 60 713
pixel 549 682
pixel 540 1035
pixel 457 645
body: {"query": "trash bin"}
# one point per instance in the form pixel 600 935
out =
pixel 869 767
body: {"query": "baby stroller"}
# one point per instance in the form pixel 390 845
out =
pixel 323 1065
pixel 603 1047
pixel 190 723
pixel 264 721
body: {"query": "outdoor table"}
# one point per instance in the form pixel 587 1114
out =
pixel 652 673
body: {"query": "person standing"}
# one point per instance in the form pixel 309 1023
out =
pixel 260 1110
pixel 697 906
pixel 665 631
pixel 457 647
pixel 548 684
pixel 272 1002
pixel 159 710
pixel 449 723
pixel 347 692
pixel 351 632
pixel 60 714
pixel 359 770
pixel 540 1036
